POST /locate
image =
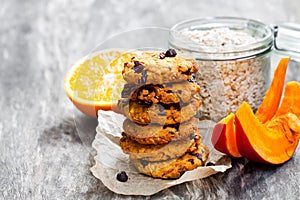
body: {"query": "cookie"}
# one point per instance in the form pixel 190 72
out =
pixel 151 67
pixel 164 114
pixel 161 152
pixel 159 134
pixel 161 93
pixel 174 168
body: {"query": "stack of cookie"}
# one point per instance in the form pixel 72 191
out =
pixel 160 100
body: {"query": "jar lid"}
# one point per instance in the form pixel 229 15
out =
pixel 287 39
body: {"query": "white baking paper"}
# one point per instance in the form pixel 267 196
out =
pixel 110 160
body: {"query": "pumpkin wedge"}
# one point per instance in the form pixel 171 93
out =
pixel 224 133
pixel 271 101
pixel 266 143
pixel 224 138
pixel 291 100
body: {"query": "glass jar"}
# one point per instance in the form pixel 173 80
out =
pixel 234 61
pixel 287 44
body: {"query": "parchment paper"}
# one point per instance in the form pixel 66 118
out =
pixel 110 160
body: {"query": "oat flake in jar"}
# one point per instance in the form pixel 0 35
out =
pixel 234 61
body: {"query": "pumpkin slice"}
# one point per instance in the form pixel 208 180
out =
pixel 291 100
pixel 293 123
pixel 223 137
pixel 271 101
pixel 260 142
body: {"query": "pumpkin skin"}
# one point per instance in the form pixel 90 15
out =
pixel 271 101
pixel 266 143
pixel 223 137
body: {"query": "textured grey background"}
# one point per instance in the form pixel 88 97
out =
pixel 41 153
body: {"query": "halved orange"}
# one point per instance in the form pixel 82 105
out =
pixel 95 81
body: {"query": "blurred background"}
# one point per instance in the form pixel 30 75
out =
pixel 69 29
pixel 55 34
pixel 40 153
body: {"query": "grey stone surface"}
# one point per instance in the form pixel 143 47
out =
pixel 45 150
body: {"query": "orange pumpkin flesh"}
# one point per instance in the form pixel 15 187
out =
pixel 294 123
pixel 271 101
pixel 263 143
pixel 291 100
pixel 223 137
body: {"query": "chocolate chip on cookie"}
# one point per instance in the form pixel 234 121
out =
pixel 143 78
pixel 138 67
pixel 162 55
pixel 170 53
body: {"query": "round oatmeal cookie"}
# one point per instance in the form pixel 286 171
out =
pixel 164 114
pixel 159 134
pixel 174 168
pixel 166 93
pixel 157 67
pixel 161 152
